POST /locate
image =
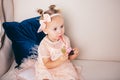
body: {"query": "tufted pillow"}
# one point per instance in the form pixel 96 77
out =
pixel 24 37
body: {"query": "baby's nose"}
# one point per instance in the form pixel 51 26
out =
pixel 59 31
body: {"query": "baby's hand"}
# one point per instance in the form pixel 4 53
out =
pixel 63 57
pixel 76 51
pixel 75 55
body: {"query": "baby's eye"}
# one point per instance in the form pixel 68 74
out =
pixel 61 26
pixel 55 29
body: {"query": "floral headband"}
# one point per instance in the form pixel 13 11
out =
pixel 46 18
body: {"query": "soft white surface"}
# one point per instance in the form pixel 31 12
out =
pixel 26 74
pixel 99 70
pixel 90 70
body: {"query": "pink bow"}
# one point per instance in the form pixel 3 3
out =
pixel 46 18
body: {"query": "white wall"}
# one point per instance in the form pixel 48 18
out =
pixel 92 25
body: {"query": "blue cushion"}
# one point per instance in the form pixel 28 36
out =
pixel 24 37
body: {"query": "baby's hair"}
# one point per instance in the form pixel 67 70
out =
pixel 40 11
pixel 50 11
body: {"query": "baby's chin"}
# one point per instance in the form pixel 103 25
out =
pixel 57 39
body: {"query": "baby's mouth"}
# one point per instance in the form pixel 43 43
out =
pixel 60 37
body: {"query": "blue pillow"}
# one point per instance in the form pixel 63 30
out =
pixel 24 37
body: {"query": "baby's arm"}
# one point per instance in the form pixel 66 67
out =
pixel 52 64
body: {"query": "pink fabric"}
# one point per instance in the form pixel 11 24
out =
pixel 46 18
pixel 52 50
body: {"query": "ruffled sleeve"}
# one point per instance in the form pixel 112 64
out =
pixel 43 51
pixel 40 69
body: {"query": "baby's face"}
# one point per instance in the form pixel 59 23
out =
pixel 55 29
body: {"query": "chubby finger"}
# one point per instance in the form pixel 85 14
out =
pixel 75 49
pixel 76 53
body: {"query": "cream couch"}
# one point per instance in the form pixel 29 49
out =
pixel 93 21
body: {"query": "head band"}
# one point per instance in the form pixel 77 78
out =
pixel 46 18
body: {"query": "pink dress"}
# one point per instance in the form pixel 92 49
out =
pixel 49 49
pixel 35 70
